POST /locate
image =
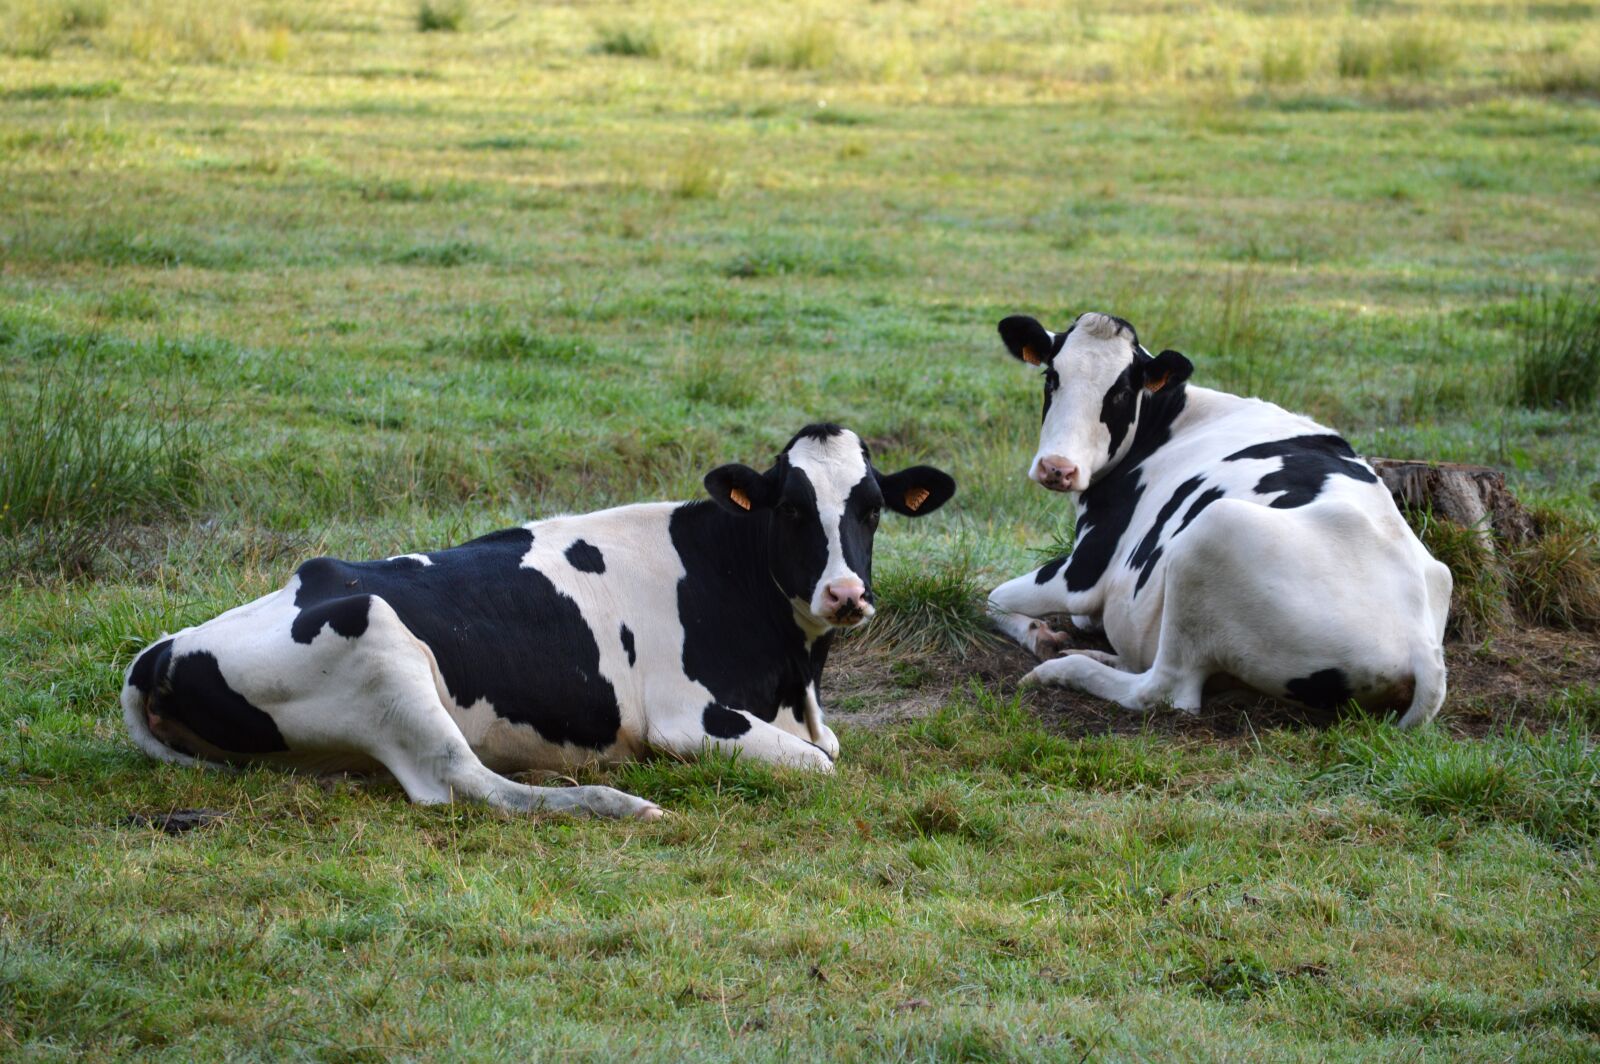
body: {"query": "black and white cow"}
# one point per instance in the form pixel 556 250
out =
pixel 668 627
pixel 1218 536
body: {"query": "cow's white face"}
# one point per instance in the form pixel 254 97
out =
pixel 1096 375
pixel 822 501
pixel 834 488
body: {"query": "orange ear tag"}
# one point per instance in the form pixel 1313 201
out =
pixel 1155 385
pixel 1031 358
pixel 740 498
pixel 915 497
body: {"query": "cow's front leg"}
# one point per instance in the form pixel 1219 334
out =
pixel 734 731
pixel 1099 674
pixel 1016 607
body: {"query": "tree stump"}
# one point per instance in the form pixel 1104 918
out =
pixel 1472 496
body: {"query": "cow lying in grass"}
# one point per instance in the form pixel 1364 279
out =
pixel 1218 537
pixel 667 627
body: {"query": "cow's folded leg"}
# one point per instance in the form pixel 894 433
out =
pixel 1101 656
pixel 1016 606
pixel 1141 691
pixel 434 765
pixel 402 723
pixel 736 732
pixel 429 756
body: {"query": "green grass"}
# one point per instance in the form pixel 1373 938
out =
pixel 286 278
pixel 1558 360
pixel 444 16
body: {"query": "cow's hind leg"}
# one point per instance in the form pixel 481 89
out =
pixel 395 715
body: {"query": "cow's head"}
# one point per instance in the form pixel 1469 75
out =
pixel 820 504
pixel 1096 378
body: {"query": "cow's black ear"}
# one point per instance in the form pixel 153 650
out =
pixel 1026 339
pixel 917 491
pixel 740 489
pixel 1165 370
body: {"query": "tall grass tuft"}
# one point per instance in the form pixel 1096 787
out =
pixel 30 31
pixel 1287 61
pixel 1416 50
pixel 929 607
pixel 634 42
pixel 442 16
pixel 79 460
pixel 716 376
pixel 1479 605
pixel 77 15
pixel 1555 578
pixel 808 46
pixel 1547 784
pixel 1558 349
pixel 1560 75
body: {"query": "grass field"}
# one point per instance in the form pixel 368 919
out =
pixel 288 278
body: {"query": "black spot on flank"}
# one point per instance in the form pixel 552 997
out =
pixel 499 631
pixel 1148 552
pixel 346 616
pixel 1109 503
pixel 586 557
pixel 196 694
pixel 1047 572
pixel 720 722
pixel 151 667
pixel 1324 689
pixel 1308 461
pixel 627 644
pixel 1207 497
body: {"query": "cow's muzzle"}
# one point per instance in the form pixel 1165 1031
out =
pixel 1055 473
pixel 844 602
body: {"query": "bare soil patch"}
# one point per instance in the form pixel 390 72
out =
pixel 1508 679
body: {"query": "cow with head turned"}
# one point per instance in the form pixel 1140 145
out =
pixel 665 627
pixel 1219 538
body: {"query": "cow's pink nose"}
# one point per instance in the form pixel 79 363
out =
pixel 1055 473
pixel 844 601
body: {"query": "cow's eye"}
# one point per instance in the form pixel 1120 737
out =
pixel 872 517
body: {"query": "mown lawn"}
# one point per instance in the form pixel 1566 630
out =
pixel 279 279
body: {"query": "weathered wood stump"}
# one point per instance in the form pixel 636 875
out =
pixel 1472 496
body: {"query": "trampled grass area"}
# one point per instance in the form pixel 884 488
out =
pixel 286 278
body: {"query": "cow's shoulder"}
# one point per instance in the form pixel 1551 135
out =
pixel 740 640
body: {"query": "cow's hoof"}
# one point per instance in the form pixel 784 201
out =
pixel 605 802
pixel 828 743
pixel 1101 656
pixel 1047 642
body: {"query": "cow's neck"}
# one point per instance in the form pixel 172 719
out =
pixel 1158 417
pixel 745 576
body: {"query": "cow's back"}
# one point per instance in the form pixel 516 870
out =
pixel 1249 452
